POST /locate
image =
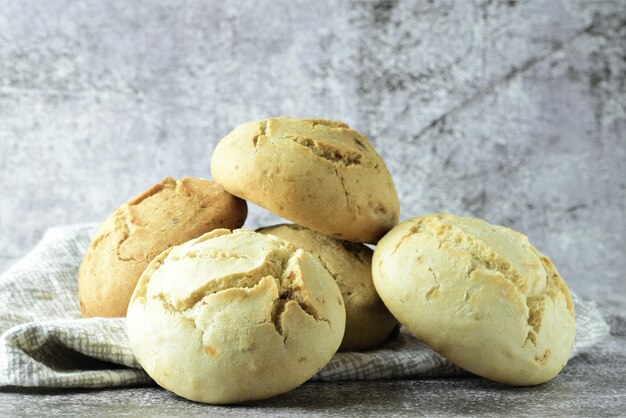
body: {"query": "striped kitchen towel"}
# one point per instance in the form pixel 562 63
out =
pixel 45 343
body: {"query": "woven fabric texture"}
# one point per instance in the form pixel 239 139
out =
pixel 45 343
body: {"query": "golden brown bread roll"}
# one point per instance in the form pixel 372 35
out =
pixel 167 214
pixel 368 321
pixel 317 173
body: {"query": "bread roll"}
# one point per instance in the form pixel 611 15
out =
pixel 480 295
pixel 231 317
pixel 317 173
pixel 167 214
pixel 368 321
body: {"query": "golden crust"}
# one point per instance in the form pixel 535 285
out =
pixel 261 318
pixel 318 173
pixel 368 321
pixel 169 213
pixel 480 295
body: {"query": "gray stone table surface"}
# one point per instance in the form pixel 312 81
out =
pixel 512 111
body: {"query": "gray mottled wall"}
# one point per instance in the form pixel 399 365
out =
pixel 510 111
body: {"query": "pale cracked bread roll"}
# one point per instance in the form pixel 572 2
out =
pixel 169 213
pixel 368 321
pixel 480 295
pixel 230 317
pixel 317 173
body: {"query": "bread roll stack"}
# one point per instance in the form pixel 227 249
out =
pixel 223 316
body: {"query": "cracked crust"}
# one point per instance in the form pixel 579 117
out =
pixel 368 321
pixel 318 173
pixel 167 214
pixel 234 316
pixel 481 295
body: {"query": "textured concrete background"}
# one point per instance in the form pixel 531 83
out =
pixel 510 111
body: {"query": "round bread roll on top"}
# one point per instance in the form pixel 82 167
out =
pixel 368 321
pixel 167 214
pixel 317 173
pixel 480 295
pixel 230 317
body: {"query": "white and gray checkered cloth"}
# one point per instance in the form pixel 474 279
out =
pixel 45 343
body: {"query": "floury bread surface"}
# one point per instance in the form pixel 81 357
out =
pixel 368 321
pixel 317 173
pixel 480 295
pixel 167 214
pixel 230 317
